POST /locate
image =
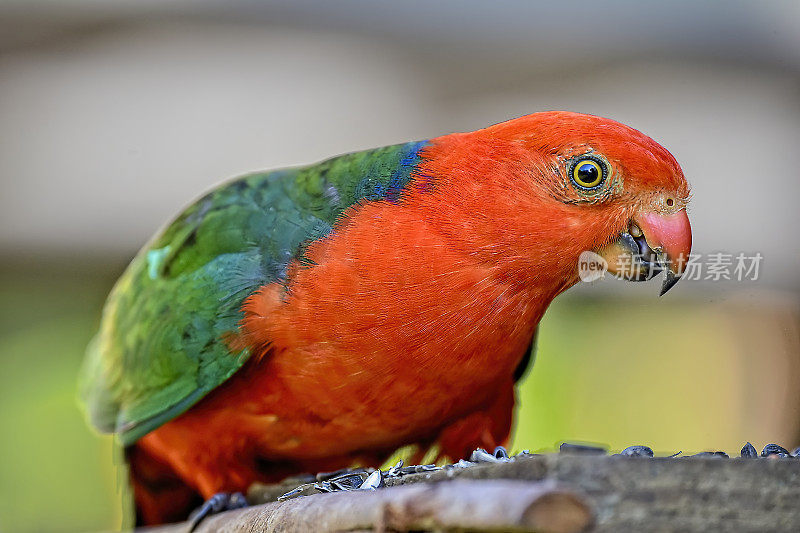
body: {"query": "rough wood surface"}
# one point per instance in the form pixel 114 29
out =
pixel 623 493
pixel 465 505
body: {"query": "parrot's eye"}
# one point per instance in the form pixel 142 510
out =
pixel 588 173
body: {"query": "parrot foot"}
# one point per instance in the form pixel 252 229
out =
pixel 223 501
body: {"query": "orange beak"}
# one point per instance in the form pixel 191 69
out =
pixel 654 242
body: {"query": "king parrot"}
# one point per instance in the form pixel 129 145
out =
pixel 311 318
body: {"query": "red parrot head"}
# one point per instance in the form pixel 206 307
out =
pixel 566 183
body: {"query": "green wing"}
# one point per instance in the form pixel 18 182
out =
pixel 161 345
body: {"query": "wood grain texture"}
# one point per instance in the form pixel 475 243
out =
pixel 462 505
pixel 661 494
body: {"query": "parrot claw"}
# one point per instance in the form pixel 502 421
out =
pixel 223 501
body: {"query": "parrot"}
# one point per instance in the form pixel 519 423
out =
pixel 313 318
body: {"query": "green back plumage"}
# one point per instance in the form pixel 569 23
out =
pixel 161 344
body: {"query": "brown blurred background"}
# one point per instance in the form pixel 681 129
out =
pixel 115 114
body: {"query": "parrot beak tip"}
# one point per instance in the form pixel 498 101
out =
pixel 670 279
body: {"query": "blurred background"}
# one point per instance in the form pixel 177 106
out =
pixel 113 115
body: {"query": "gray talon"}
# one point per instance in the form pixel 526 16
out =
pixel 218 503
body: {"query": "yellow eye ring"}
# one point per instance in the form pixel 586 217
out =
pixel 588 173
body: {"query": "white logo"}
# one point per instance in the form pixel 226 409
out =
pixel 591 266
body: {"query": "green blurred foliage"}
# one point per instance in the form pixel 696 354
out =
pixel 605 375
pixel 688 376
pixel 55 473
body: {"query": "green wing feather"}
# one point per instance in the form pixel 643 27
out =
pixel 161 344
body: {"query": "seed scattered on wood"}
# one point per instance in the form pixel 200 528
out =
pixel 749 451
pixel 581 449
pixel 482 456
pixel 774 450
pixel 637 451
pixel 721 455
pixel 500 453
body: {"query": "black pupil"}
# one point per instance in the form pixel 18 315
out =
pixel 587 173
